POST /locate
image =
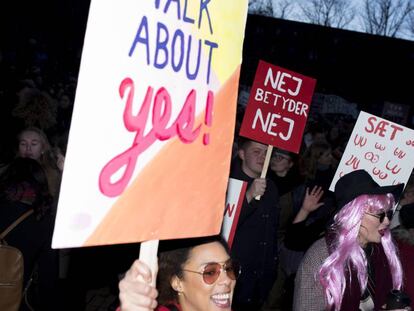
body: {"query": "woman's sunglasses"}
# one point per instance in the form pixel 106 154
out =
pixel 212 271
pixel 381 216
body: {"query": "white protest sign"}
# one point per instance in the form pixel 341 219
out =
pixel 236 190
pixel 383 148
pixel 150 141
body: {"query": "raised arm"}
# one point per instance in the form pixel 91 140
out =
pixel 310 203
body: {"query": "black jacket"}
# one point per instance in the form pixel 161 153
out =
pixel 255 242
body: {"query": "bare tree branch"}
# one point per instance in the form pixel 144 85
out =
pixel 330 13
pixel 386 17
pixel 282 9
pixel 410 23
pixel 261 7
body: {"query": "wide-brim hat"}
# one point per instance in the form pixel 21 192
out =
pixel 359 182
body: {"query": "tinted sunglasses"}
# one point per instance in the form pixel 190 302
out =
pixel 381 216
pixel 212 271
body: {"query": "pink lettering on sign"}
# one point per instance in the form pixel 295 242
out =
pixel 379 146
pixel 379 173
pixel 399 153
pixel 382 128
pixel 359 141
pixel 183 127
pixel 354 161
pixel 393 169
pixel 410 142
pixel 371 157
pixel 208 118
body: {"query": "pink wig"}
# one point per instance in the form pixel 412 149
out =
pixel 347 252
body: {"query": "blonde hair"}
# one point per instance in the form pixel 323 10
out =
pixel 47 159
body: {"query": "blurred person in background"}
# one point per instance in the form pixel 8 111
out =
pixel 33 144
pixel 24 186
pixel 404 236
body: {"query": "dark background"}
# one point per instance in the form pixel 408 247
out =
pixel 362 68
pixel 359 67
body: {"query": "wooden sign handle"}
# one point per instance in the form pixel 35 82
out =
pixel 148 255
pixel 266 165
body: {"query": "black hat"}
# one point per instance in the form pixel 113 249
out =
pixel 293 156
pixel 360 182
pixel 282 151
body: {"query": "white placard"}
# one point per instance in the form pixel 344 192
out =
pixel 149 148
pixel 383 148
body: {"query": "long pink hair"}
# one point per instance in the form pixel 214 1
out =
pixel 347 252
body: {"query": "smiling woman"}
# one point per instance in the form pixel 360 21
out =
pixel 194 274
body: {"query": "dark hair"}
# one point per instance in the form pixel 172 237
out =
pixel 309 160
pixel 316 127
pixel 24 174
pixel 293 156
pixel 244 143
pixel 172 257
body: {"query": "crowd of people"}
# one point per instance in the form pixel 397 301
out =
pixel 300 247
pixel 353 265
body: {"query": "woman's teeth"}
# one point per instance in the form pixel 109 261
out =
pixel 221 300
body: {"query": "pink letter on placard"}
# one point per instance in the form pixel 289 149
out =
pixel 128 158
pixel 184 127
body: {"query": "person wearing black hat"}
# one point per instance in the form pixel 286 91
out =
pixel 404 236
pixel 355 265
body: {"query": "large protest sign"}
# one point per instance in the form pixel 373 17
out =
pixel 383 148
pixel 153 122
pixel 278 107
pixel 236 190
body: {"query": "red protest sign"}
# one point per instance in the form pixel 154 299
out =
pixel 278 107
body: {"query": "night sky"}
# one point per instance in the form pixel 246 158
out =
pixel 57 25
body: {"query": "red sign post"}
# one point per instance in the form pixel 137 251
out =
pixel 278 107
